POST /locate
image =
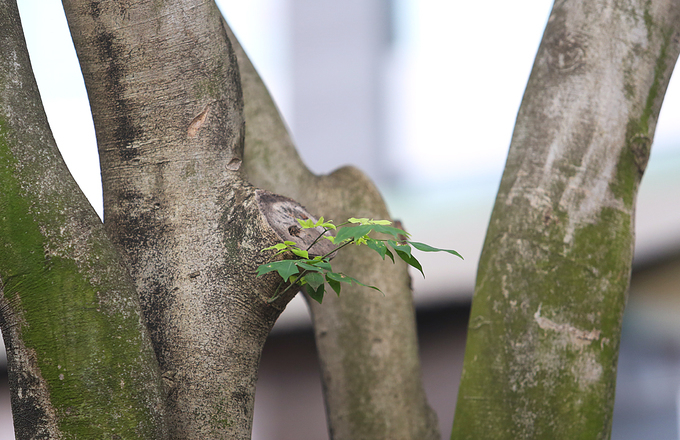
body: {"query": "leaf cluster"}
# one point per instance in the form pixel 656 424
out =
pixel 316 272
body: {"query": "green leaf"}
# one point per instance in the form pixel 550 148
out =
pixel 265 268
pixel 352 232
pixel 316 264
pixel 400 247
pixel 285 268
pixel 309 267
pixel 306 224
pixel 335 285
pixel 365 221
pixel 300 252
pixel 277 247
pixel 427 248
pixel 379 246
pixel 356 232
pixel 389 254
pixel 324 265
pixel 410 260
pixel 391 230
pixel 340 277
pixel 328 225
pixel 404 252
pixel 362 284
pixel 314 279
pixel 316 294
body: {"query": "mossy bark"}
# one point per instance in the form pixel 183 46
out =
pixel 367 342
pixel 544 330
pixel 80 361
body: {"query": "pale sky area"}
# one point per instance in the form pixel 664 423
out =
pixel 455 80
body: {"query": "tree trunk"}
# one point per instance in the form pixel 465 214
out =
pixel 367 342
pixel 165 92
pixel 80 361
pixel 545 324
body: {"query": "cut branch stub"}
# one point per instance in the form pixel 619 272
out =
pixel 282 214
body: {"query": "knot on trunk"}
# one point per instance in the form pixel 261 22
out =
pixel 282 214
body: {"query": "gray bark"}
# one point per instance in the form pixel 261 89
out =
pixel 80 361
pixel 165 93
pixel 367 342
pixel 545 325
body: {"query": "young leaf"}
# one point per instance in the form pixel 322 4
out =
pixel 365 221
pixel 328 225
pixel 427 248
pixel 306 224
pixel 300 252
pixel 277 247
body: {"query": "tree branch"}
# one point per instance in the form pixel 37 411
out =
pixel 367 343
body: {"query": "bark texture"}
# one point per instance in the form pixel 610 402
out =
pixel 166 98
pixel 367 343
pixel 80 362
pixel 544 330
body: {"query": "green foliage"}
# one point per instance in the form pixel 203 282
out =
pixel 316 272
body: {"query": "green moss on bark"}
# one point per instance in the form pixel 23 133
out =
pixel 544 336
pixel 86 335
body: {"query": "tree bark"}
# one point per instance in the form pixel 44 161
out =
pixel 80 361
pixel 165 92
pixel 545 325
pixel 367 342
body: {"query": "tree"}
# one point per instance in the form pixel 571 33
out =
pixel 189 229
pixel 151 325
pixel 545 324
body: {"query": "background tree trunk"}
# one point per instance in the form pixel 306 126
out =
pixel 367 342
pixel 545 324
pixel 80 362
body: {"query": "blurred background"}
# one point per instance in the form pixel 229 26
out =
pixel 422 95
